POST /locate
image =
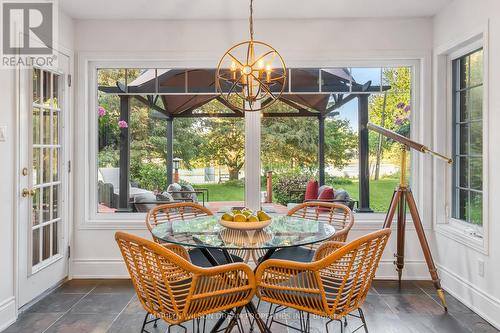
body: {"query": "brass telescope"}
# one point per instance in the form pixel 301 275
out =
pixel 402 198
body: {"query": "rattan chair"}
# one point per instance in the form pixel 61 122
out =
pixel 334 285
pixel 336 214
pixel 183 211
pixel 171 288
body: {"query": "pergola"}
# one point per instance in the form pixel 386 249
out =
pixel 310 92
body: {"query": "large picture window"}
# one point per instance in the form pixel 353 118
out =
pixel 468 138
pixel 165 135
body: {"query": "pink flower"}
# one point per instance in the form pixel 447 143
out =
pixel 400 105
pixel 122 124
pixel 407 108
pixel 101 111
pixel 398 121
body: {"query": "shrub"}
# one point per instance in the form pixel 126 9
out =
pixel 284 183
pixel 150 177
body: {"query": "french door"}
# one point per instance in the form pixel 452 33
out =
pixel 43 180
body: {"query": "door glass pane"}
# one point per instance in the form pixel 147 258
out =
pixel 55 201
pixel 55 128
pixel 46 242
pixel 36 126
pixel 46 126
pixel 46 89
pixel 46 165
pixel 35 246
pixel 36 86
pixel 35 211
pixel 55 238
pixel 55 91
pixel 55 164
pixel 45 204
pixel 36 166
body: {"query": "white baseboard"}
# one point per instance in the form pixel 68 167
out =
pixel 8 313
pixel 474 298
pixel 115 269
pixel 98 269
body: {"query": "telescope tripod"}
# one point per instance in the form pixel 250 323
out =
pixel 402 198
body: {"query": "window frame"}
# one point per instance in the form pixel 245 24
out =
pixel 456 115
pixel 460 231
pixel 90 62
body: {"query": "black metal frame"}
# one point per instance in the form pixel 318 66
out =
pixel 305 320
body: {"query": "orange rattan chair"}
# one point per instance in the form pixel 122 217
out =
pixel 336 214
pixel 169 287
pixel 182 211
pixel 335 284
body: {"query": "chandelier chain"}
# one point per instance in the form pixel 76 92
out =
pixel 251 19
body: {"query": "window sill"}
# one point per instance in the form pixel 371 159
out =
pixel 460 233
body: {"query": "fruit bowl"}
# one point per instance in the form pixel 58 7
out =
pixel 245 225
pixel 245 219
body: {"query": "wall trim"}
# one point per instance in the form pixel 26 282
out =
pixel 115 269
pixel 474 298
pixel 8 312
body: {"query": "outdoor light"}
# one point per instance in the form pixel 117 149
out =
pixel 251 72
pixel 176 163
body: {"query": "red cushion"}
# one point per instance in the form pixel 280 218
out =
pixel 326 194
pixel 311 190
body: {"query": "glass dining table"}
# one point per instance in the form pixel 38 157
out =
pixel 205 233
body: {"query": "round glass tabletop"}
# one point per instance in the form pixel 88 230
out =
pixel 284 231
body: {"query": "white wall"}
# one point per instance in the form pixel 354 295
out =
pixel 197 43
pixel 8 174
pixel 458 262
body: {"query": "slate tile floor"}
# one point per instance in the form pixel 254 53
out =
pixel 95 306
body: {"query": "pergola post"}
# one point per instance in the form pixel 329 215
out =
pixel 123 201
pixel 321 149
pixel 170 150
pixel 363 148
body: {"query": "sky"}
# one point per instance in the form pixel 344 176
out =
pixel 349 111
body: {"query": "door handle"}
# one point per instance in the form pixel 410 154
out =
pixel 27 192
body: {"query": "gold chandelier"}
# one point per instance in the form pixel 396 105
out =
pixel 251 75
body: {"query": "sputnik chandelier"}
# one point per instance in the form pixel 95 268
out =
pixel 251 75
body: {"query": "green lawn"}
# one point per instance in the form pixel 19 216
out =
pixel 380 192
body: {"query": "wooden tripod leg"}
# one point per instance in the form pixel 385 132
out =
pixel 425 246
pixel 400 254
pixel 392 208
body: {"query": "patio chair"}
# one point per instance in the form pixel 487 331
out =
pixel 334 285
pixel 336 214
pixel 313 192
pixel 171 288
pixel 182 211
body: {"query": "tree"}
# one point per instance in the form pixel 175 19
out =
pixel 396 110
pixel 224 143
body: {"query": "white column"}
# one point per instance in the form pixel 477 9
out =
pixel 252 160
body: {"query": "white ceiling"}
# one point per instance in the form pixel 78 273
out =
pixel 238 9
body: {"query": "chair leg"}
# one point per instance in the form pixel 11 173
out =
pixel 144 322
pixel 362 317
